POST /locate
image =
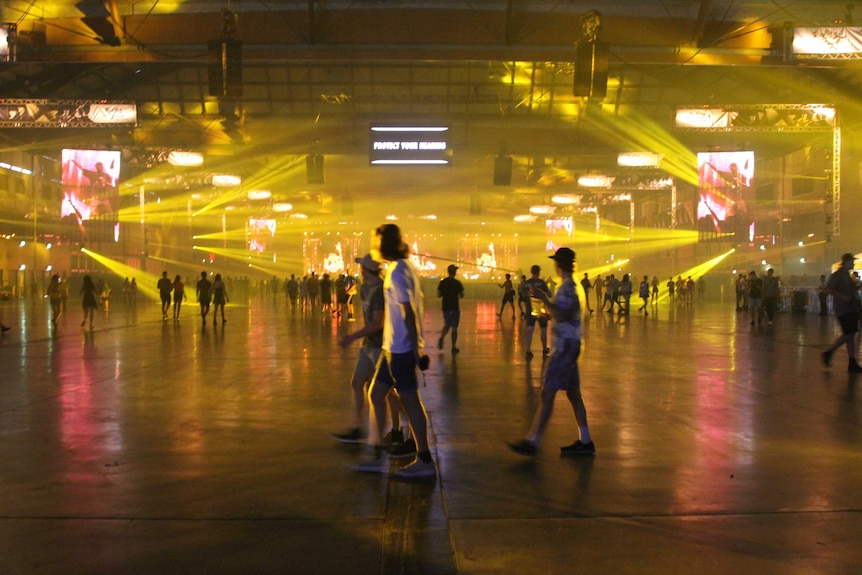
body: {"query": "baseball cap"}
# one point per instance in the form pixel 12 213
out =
pixel 848 257
pixel 563 256
pixel 368 263
pixel 535 269
pixel 452 268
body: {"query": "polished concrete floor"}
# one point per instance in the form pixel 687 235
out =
pixel 159 447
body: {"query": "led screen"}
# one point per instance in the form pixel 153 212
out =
pixel 90 184
pixel 409 145
pixel 725 193
pixel 260 234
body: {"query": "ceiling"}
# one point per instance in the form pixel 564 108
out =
pixel 315 74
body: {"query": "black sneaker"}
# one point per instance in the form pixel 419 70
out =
pixel 546 352
pixel 354 435
pixel 403 450
pixel 394 437
pixel 524 447
pixel 579 448
pixel 854 367
pixel 529 354
pixel 827 357
pixel 455 350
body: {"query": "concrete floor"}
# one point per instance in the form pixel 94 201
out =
pixel 153 447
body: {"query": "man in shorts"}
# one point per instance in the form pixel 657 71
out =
pixel 165 287
pixel 847 306
pixel 451 291
pixel 372 341
pixel 562 372
pixel 402 353
pixel 536 313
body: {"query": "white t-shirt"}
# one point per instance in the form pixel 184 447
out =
pixel 401 286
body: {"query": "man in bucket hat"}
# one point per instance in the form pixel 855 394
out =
pixel 562 372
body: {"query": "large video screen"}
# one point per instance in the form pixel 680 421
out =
pixel 725 194
pixel 409 145
pixel 90 184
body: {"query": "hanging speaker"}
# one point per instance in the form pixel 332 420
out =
pixel 502 171
pixel 225 67
pixel 314 168
pixel 591 69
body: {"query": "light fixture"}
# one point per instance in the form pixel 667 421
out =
pixel 525 219
pixel 566 199
pixel 226 180
pixel 639 160
pixel 542 210
pixel 282 207
pixel 596 181
pixel 259 194
pixel 181 158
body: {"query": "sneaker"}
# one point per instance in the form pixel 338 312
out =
pixel 579 448
pixel 354 435
pixel 524 447
pixel 529 354
pixel 418 468
pixel 827 356
pixel 403 450
pixel 394 437
pixel 374 464
pixel 854 367
pixel 440 343
pixel 455 350
pixel 546 352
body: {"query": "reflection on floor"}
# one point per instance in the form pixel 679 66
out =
pixel 167 447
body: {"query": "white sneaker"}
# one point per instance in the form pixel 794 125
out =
pixel 417 469
pixel 375 464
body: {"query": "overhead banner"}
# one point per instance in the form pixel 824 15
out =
pixel 409 145
pixel 834 42
pixel 25 113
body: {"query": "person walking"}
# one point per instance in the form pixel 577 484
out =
pixel 179 295
pixel 599 286
pixel 823 296
pixel 508 295
pixel 220 298
pixel 587 286
pixel 165 287
pixel 562 371
pixel 848 308
pixel 626 295
pixel 204 293
pixel 755 297
pixel 373 311
pixel 771 293
pixel 89 299
pixel 402 353
pixel 654 290
pixel 644 293
pixel 523 297
pixel 450 290
pixel 536 313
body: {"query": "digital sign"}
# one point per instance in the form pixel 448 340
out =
pixel 409 145
pixel 725 193
pixel 90 184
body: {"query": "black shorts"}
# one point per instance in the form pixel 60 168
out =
pixel 849 323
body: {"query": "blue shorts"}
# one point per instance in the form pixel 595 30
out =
pixel 451 317
pixel 562 372
pixel 398 370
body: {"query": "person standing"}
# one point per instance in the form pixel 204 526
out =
pixel 508 295
pixel 89 299
pixel 179 295
pixel 671 288
pixel 771 292
pixel 587 286
pixel 402 352
pixel 133 292
pixel 204 293
pixel 625 294
pixel 523 296
pixel 451 291
pixel 64 292
pixel 599 285
pixel 292 289
pixel 373 310
pixel 654 290
pixel 220 298
pixel 536 313
pixel 845 301
pixel 644 293
pixel 164 285
pixel 823 296
pixel 755 297
pixel 562 372
pixel 55 298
